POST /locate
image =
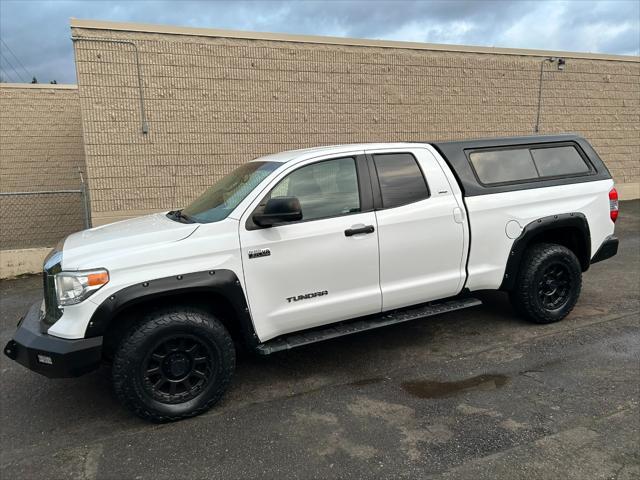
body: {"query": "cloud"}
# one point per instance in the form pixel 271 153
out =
pixel 38 31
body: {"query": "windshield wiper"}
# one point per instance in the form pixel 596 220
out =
pixel 180 217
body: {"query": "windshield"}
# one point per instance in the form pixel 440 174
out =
pixel 218 201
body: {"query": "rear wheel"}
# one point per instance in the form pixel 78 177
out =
pixel 174 364
pixel 548 283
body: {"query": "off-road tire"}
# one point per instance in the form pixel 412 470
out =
pixel 532 288
pixel 131 381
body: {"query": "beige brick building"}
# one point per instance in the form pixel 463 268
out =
pixel 215 99
pixel 160 113
pixel 40 151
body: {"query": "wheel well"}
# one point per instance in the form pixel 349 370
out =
pixel 571 237
pixel 570 230
pixel 211 302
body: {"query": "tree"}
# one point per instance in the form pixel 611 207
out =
pixel 35 80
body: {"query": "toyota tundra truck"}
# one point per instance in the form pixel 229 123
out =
pixel 308 245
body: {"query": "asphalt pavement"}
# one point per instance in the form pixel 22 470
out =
pixel 474 394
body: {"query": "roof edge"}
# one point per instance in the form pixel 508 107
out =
pixel 360 42
pixel 43 86
pixel 515 139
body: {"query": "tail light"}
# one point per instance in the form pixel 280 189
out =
pixel 613 204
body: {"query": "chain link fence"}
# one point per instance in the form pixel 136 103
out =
pixel 41 218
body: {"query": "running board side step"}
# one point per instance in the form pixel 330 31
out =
pixel 341 329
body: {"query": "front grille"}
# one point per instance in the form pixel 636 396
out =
pixel 51 311
pixel 52 266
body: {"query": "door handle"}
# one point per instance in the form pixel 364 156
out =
pixel 350 232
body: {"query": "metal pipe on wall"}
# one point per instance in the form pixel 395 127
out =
pixel 143 114
pixel 561 64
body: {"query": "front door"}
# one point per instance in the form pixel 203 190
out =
pixel 323 268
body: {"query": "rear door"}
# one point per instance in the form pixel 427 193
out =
pixel 421 229
pixel 321 269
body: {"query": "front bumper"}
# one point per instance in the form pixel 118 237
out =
pixel 51 356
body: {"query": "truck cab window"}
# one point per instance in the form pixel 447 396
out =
pixel 325 189
pixel 401 180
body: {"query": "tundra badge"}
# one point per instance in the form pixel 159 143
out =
pixel 307 296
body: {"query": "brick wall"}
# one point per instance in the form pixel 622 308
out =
pixel 40 150
pixel 213 102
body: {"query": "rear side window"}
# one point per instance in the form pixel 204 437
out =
pixel 522 164
pixel 558 161
pixel 401 180
pixel 503 165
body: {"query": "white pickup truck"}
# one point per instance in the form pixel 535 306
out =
pixel 308 245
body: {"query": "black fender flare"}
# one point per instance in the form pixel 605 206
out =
pixel 222 282
pixel 574 220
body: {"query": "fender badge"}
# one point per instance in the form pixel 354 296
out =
pixel 259 252
pixel 307 296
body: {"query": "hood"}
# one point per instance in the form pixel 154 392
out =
pixel 92 248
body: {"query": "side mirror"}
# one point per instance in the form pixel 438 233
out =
pixel 279 210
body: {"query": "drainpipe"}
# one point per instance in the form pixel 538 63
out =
pixel 143 114
pixel 561 64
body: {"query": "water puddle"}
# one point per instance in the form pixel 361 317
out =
pixel 432 389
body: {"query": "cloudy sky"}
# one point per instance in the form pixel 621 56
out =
pixel 35 33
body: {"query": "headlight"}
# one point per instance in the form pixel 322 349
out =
pixel 74 287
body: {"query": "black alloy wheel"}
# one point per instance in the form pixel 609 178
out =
pixel 548 283
pixel 173 363
pixel 178 369
pixel 554 286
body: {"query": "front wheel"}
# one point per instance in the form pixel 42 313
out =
pixel 548 283
pixel 174 364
